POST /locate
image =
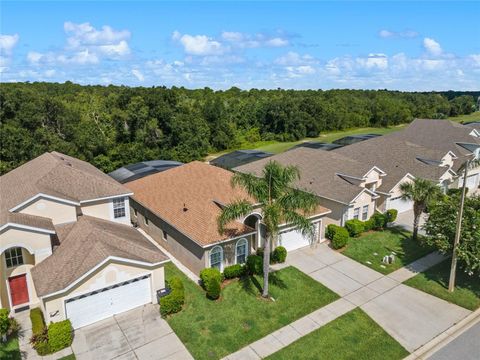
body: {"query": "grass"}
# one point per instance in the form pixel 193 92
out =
pixel 352 336
pixel 434 281
pixel 363 249
pixel 475 116
pixel 214 329
pixel 68 357
pixel 10 350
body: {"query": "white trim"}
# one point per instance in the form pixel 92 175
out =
pixel 293 227
pixel 91 271
pixel 104 198
pixel 382 173
pixel 26 227
pixel 253 213
pixel 350 176
pixel 42 195
pixel 246 249
pixel 310 217
pixel 400 181
pixel 221 257
pixel 227 240
pixel 374 195
pixel 474 133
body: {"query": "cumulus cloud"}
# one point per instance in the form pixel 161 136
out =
pixel 373 61
pixel 198 44
pixel 138 74
pixel 243 40
pixel 406 34
pixel 432 46
pixel 293 58
pixel 7 43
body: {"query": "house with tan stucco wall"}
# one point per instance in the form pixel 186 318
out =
pixel 67 244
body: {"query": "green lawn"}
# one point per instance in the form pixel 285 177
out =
pixel 352 336
pixel 10 350
pixel 466 118
pixel 435 282
pixel 363 249
pixel 214 329
pixel 68 357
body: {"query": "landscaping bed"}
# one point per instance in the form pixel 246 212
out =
pixel 10 350
pixel 352 336
pixel 434 281
pixel 370 248
pixel 212 329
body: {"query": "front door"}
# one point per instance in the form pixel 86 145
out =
pixel 18 289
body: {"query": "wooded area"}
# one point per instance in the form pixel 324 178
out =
pixel 116 125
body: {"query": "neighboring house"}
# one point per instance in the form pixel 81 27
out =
pixel 67 245
pixel 345 186
pixel 179 208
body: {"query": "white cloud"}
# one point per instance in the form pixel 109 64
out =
pixel 138 74
pixel 198 44
pixel 378 61
pixel 120 49
pixel 432 46
pixel 7 43
pixel 86 35
pixel 248 41
pixel 276 42
pixel 293 58
pixel 406 34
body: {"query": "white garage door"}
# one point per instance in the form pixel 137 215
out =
pixel 293 239
pixel 400 204
pixel 472 182
pixel 101 304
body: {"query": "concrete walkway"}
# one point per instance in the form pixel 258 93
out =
pixel 410 316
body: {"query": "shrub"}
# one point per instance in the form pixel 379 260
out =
pixel 340 238
pixel 279 254
pixel 378 221
pixel 211 280
pixel 13 327
pixel 354 227
pixel 390 216
pixel 331 229
pixel 368 225
pixel 173 302
pixel 59 335
pixel 255 265
pixel 39 342
pixel 38 323
pixel 4 322
pixel 234 271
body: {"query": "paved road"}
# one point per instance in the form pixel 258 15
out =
pixel 465 347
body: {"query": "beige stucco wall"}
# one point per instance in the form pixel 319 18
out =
pixel 335 217
pixel 59 212
pixel 362 200
pixel 103 209
pixel 110 274
pixel 372 177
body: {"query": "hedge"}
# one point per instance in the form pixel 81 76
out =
pixel 279 254
pixel 234 271
pixel 354 227
pixel 38 322
pixel 331 229
pixel 173 302
pixel 340 238
pixel 378 221
pixel 390 216
pixel 59 335
pixel 255 264
pixel 4 322
pixel 211 280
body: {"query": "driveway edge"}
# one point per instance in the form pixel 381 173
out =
pixel 438 342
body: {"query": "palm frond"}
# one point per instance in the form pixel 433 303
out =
pixel 254 186
pixel 295 200
pixel 232 212
pixel 300 222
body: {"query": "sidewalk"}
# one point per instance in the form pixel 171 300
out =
pixel 408 315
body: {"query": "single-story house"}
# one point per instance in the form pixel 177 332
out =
pixel 179 208
pixel 67 244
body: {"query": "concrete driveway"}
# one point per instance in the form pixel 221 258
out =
pixel 410 316
pixel 405 220
pixel 137 334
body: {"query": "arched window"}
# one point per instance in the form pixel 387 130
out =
pixel 241 251
pixel 216 258
pixel 14 257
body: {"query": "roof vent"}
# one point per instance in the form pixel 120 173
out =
pixel 185 207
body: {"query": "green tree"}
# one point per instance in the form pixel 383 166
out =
pixel 279 203
pixel 441 225
pixel 422 192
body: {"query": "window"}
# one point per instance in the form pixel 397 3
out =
pixel 216 258
pixel 145 220
pixel 356 213
pixel 119 208
pixel 365 212
pixel 165 235
pixel 241 251
pixel 14 257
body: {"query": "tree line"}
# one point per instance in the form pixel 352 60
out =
pixel 112 126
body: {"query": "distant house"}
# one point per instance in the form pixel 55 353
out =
pixel 136 171
pixel 239 157
pixel 179 208
pixel 67 244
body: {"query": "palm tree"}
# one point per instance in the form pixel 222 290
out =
pixel 421 192
pixel 279 203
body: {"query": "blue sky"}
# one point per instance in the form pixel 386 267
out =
pixel 300 45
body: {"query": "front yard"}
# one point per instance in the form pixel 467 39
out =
pixel 434 281
pixel 370 248
pixel 213 329
pixel 10 350
pixel 352 336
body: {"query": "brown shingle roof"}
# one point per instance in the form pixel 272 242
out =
pixel 197 187
pixel 319 171
pixel 85 244
pixel 56 175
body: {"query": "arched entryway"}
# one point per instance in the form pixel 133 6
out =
pixel 254 221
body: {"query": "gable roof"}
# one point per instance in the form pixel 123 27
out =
pixel 84 245
pixel 56 175
pixel 320 172
pixel 189 197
